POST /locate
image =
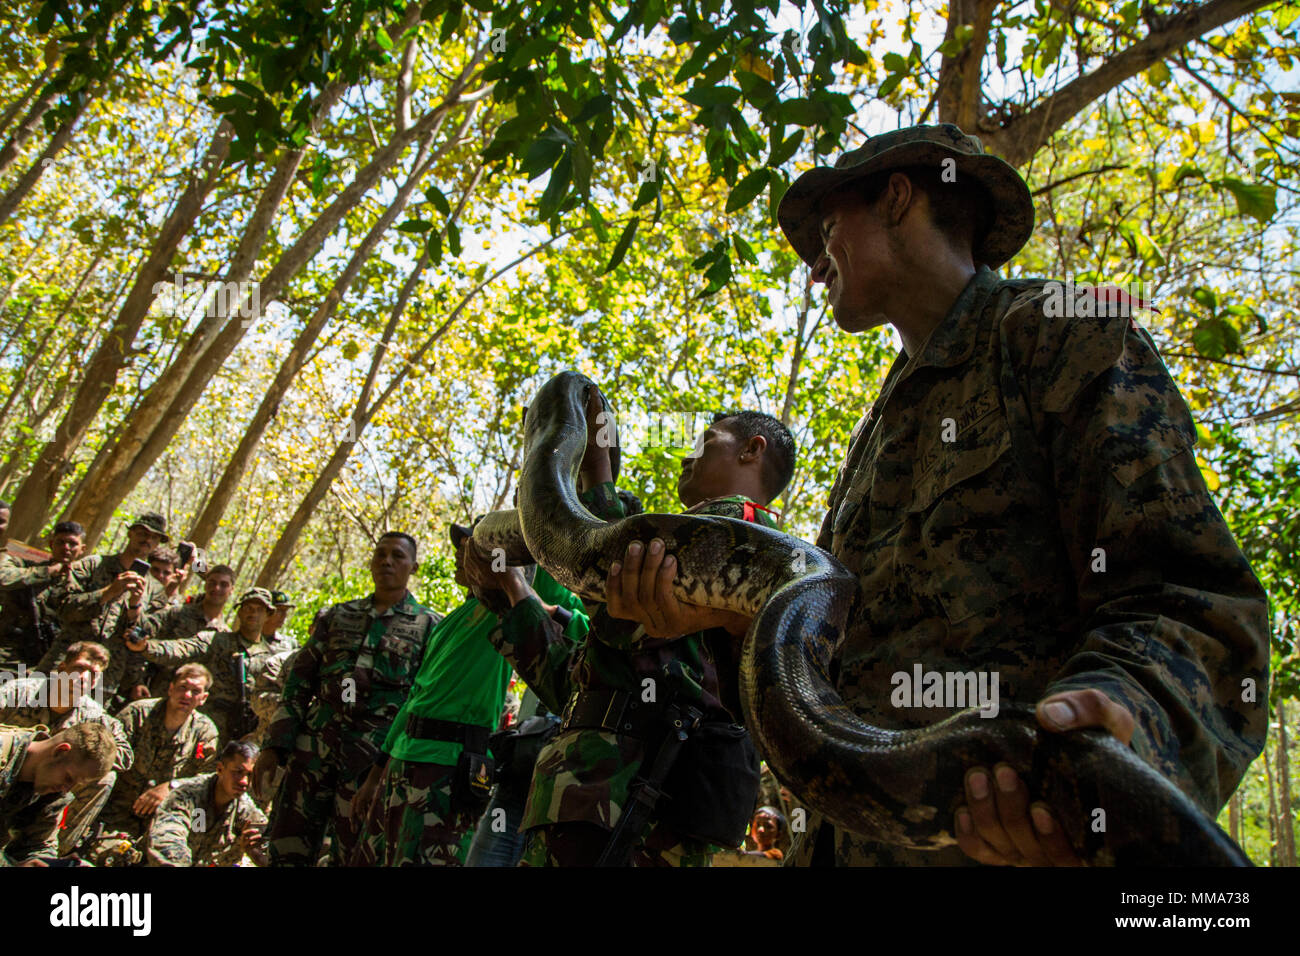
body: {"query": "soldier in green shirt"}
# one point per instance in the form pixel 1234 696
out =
pixel 419 793
pixel 344 689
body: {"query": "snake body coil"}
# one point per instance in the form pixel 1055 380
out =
pixel 892 786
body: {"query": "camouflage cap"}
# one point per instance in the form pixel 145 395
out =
pixel 1013 210
pixel 257 594
pixel 281 599
pixel 151 521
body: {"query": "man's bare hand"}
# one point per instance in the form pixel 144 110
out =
pixel 998 825
pixel 640 588
pixel 139 691
pixel 151 799
pixel 120 585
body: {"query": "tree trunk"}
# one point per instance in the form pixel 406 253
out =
pixel 1286 845
pixel 210 515
pixel 13 147
pixel 101 483
pixel 1272 810
pixel 147 437
pixel 1234 817
pixel 37 492
pixel 960 97
pixel 24 98
pixel 18 192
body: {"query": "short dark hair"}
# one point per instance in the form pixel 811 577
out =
pixel 405 537
pixel 68 527
pixel 165 554
pixel 778 459
pixel 961 210
pixel 225 569
pixel 244 749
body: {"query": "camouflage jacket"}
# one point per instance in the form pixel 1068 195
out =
pixel 28 821
pixel 268 689
pixel 83 618
pixel 23 583
pixel 217 650
pixel 25 703
pixel 584 775
pixel 160 755
pixel 1023 499
pixel 350 679
pixel 189 830
pixel 175 622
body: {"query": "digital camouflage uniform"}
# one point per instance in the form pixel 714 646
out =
pixel 28 821
pixel 22 584
pixel 583 776
pixel 177 622
pixel 25 703
pixel 216 650
pixel 189 830
pixel 83 618
pixel 346 685
pixel 1063 537
pixel 268 687
pixel 160 755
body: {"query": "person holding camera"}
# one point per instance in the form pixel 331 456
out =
pixel 107 595
pixel 182 621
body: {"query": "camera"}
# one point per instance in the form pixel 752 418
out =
pixel 188 552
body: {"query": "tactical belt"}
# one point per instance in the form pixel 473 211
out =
pixel 614 711
pixel 474 738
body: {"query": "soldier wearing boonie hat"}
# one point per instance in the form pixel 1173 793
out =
pixel 1021 497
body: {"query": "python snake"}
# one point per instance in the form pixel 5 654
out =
pixel 893 786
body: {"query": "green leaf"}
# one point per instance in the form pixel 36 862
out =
pixel 596 106
pixel 786 149
pixel 1254 200
pixel 890 84
pixel 744 191
pixel 415 226
pixel 895 63
pixel 779 184
pixel 1158 74
pixel 744 249
pixel 453 238
pixel 557 188
pixel 704 96
pixel 621 247
pixel 438 200
pixel 434 247
pixel 350 350
pixel 1206 297
pixel 383 39
pixel 1215 338
pixel 597 223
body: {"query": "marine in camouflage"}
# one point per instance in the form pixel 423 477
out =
pixel 1023 498
pixel 189 830
pixel 160 755
pixel 175 623
pixel 83 618
pixel 217 651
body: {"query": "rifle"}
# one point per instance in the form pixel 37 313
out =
pixel 241 719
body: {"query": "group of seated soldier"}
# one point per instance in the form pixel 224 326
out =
pixel 184 699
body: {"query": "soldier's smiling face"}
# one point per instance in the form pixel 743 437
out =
pixel 857 258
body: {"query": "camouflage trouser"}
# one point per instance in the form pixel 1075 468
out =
pixel 580 844
pixel 315 795
pixel 411 822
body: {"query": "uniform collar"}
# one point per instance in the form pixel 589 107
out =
pixel 953 339
pixel 404 606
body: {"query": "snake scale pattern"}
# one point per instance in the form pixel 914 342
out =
pixel 892 786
